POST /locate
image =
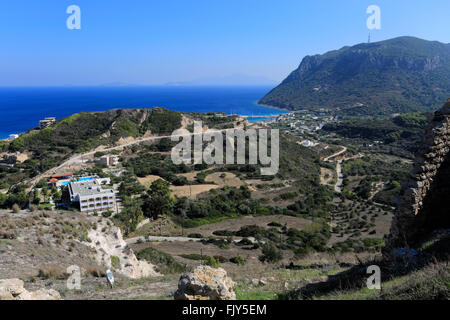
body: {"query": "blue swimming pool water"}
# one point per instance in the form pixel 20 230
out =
pixel 65 183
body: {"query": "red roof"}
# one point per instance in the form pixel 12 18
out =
pixel 52 180
pixel 62 175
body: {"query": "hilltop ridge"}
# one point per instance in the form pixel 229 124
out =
pixel 403 74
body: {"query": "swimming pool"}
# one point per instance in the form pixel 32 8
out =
pixel 66 182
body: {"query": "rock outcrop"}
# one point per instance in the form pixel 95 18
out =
pixel 424 204
pixel 113 252
pixel 205 283
pixel 12 289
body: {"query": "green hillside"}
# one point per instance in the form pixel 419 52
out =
pixel 404 74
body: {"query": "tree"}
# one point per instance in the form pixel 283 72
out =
pixel 36 197
pixel 42 183
pixel 3 199
pixel 158 199
pixel 271 253
pixel 130 218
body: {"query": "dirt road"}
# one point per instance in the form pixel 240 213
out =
pixel 344 149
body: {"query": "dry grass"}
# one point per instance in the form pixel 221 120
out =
pixel 224 179
pixel 95 271
pixel 192 191
pixel 326 176
pixel 4 234
pixel 52 272
pixel 148 180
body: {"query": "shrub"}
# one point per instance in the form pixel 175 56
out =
pixel 7 235
pixel 244 242
pixel 221 259
pixel 212 262
pixel 15 208
pixel 165 262
pixel 274 224
pixel 225 233
pixel 107 214
pixel 270 253
pixel 195 235
pixel 250 231
pixel 52 272
pixel 238 260
pixel 192 256
pixel 95 271
pixel 115 262
pixel 221 243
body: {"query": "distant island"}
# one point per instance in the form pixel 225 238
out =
pixel 403 74
pixel 231 80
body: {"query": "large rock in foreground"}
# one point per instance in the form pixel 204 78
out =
pixel 205 283
pixel 12 289
pixel 423 206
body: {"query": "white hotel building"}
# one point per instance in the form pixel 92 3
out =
pixel 92 197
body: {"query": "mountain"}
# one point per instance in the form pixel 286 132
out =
pixel 232 80
pixel 398 75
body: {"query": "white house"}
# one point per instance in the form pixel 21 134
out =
pixel 92 197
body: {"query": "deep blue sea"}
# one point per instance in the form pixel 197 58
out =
pixel 22 108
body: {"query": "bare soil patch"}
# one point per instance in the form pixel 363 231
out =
pixel 236 224
pixel 193 190
pixel 224 179
pixel 326 176
pixel 148 180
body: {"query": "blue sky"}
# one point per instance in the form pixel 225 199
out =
pixel 151 42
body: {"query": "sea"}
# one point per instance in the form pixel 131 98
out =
pixel 22 108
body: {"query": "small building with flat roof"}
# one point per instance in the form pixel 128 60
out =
pixel 47 122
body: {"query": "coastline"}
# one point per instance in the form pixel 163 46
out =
pixel 273 107
pixel 24 107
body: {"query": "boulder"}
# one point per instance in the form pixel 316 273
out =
pixel 5 295
pixel 12 289
pixel 13 286
pixel 205 283
pixel 42 294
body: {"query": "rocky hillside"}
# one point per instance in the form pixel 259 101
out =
pixel 42 245
pixel 397 75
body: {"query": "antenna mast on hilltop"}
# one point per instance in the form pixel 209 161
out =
pixel 368 41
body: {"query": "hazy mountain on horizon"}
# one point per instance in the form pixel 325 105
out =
pixel 231 80
pixel 403 74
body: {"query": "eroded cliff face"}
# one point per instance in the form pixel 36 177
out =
pixel 110 246
pixel 424 206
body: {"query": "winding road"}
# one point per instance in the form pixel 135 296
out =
pixel 337 186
